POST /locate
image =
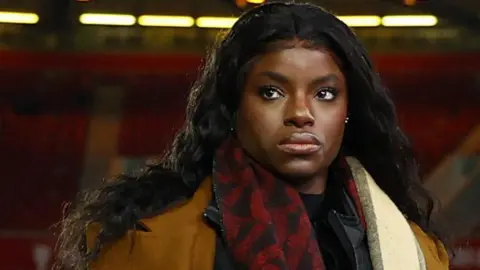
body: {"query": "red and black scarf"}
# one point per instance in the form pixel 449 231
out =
pixel 265 223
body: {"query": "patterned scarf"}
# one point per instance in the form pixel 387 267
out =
pixel 265 223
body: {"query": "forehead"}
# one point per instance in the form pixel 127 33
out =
pixel 298 61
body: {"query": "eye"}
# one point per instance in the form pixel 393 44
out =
pixel 327 94
pixel 270 92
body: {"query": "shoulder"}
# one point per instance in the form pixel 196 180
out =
pixel 436 255
pixel 179 228
pixel 186 211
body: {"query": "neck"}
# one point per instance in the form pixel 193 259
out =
pixel 314 185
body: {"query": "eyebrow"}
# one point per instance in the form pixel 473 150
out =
pixel 329 78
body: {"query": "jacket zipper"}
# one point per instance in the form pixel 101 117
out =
pixel 338 228
pixel 213 214
pixel 217 202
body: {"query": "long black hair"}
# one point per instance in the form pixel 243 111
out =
pixel 373 134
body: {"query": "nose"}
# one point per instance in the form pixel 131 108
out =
pixel 299 113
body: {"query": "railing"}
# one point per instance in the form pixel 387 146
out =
pixel 456 170
pixel 456 183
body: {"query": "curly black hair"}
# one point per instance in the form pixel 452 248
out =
pixel 372 135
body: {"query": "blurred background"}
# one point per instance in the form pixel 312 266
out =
pixel 90 88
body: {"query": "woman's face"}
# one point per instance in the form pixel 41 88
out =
pixel 291 116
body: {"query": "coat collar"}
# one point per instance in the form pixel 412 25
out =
pixel 391 241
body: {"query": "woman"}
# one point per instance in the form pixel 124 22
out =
pixel 286 129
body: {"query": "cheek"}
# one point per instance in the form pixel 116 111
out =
pixel 255 125
pixel 250 122
pixel 332 126
pixel 333 132
pixel 245 126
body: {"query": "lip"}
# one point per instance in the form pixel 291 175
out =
pixel 300 144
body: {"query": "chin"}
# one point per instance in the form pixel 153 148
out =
pixel 299 169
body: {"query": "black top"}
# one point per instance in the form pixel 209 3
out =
pixel 334 255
